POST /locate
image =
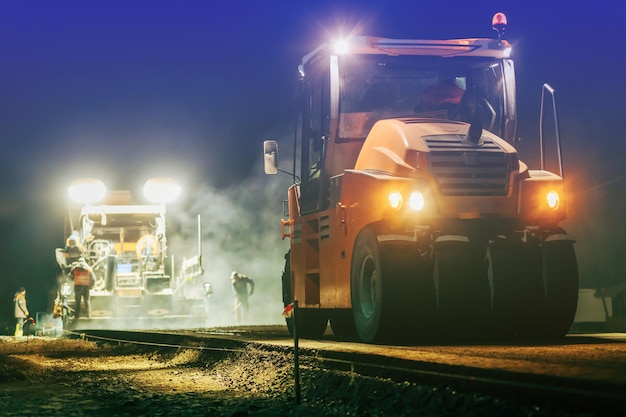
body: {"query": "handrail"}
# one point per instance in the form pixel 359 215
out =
pixel 547 87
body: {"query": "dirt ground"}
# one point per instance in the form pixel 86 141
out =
pixel 63 377
pixel 70 377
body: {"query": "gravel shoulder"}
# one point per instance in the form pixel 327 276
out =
pixel 54 377
pixel 71 377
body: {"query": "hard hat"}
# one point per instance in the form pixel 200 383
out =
pixel 233 274
pixel 81 263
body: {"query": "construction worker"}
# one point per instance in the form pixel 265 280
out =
pixel 73 247
pixel 147 248
pixel 240 284
pixel 84 279
pixel 21 311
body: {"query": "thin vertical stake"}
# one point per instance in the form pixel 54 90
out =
pixel 296 354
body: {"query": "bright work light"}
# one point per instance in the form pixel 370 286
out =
pixel 161 190
pixel 86 190
pixel 341 46
pixel 416 201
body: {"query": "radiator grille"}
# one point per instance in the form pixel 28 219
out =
pixel 464 169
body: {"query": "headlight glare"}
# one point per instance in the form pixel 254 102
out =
pixel 553 199
pixel 395 200
pixel 341 46
pixel 416 201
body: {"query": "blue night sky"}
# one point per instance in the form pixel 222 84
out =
pixel 119 89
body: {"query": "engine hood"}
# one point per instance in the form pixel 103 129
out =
pixel 401 147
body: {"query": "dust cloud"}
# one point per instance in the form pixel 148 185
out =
pixel 240 232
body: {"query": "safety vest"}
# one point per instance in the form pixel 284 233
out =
pixel 81 277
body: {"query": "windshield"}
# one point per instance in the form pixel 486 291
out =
pixel 113 226
pixel 375 87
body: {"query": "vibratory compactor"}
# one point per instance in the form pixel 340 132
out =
pixel 410 211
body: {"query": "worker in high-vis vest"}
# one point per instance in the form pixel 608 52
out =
pixel 84 279
pixel 21 311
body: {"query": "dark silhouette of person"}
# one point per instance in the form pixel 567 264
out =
pixel 240 285
pixel 445 95
pixel 84 280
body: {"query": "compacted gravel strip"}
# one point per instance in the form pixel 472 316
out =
pixel 61 377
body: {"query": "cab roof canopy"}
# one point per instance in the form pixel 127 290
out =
pixel 370 45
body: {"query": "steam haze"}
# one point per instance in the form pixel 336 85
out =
pixel 240 232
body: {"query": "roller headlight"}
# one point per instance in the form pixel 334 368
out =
pixel 395 200
pixel 416 201
pixel 553 199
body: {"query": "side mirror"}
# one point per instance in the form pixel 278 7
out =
pixel 270 157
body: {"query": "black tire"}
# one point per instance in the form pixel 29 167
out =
pixel 384 288
pixel 410 301
pixel 462 292
pixel 342 324
pixel 311 323
pixel 514 271
pixel 560 275
pixel 366 287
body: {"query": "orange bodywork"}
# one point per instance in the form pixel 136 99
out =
pixel 395 158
